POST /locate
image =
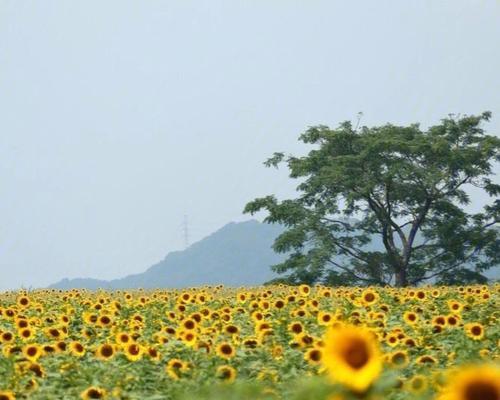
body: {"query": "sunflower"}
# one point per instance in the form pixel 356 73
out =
pixel 11 350
pixel 77 349
pixel 304 290
pixel 197 317
pixel 122 338
pixel 225 350
pixel 7 337
pixel 251 343
pixel 452 320
pixel 455 306
pixel 93 392
pixel 7 395
pixel 474 330
pixel 26 334
pixel 417 384
pixel 474 383
pixel 421 295
pixel 189 338
pixel 36 368
pixel 410 317
pixel 325 318
pixel 231 330
pixel 426 360
pixel 439 320
pixel 22 323
pixel 369 297
pixel 32 352
pixel 61 347
pixel 262 326
pixel 410 342
pixel 153 353
pixel 133 352
pixel 32 385
pixel 296 327
pixel 279 304
pixel 189 324
pixel 438 379
pixel 226 373
pixel 398 359
pixel 352 357
pixel 313 356
pixel 89 318
pixel 104 321
pixel 304 339
pixel 23 301
pixel 268 375
pixel 175 368
pixel 184 297
pixel 392 339
pixel 105 352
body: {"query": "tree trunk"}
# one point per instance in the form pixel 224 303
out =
pixel 401 279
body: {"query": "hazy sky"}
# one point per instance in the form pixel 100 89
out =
pixel 119 117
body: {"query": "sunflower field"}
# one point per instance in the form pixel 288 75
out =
pixel 270 342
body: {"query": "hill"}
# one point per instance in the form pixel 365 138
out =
pixel 237 254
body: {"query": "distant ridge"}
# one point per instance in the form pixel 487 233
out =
pixel 237 254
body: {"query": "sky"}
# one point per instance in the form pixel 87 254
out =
pixel 117 118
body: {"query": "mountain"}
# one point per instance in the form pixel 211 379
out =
pixel 237 254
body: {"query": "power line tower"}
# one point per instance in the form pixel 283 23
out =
pixel 185 231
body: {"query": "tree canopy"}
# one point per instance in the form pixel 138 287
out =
pixel 401 186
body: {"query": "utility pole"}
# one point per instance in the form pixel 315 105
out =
pixel 185 230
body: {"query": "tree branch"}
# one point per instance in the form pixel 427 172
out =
pixel 345 269
pixel 424 278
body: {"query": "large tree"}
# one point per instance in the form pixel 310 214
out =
pixel 399 186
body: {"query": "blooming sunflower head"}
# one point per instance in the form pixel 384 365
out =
pixel 93 393
pixel 7 395
pixel 226 373
pixel 352 357
pixel 105 351
pixel 369 297
pixel 474 383
pixel 225 350
pixel 313 356
pixel 474 330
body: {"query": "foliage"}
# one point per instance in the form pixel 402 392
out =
pixel 400 185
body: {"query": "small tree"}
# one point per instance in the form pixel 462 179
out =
pixel 398 185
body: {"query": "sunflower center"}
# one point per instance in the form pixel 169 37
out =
pixel 32 351
pixel 399 358
pixel 226 373
pixel 356 354
pixel 481 391
pixel 226 349
pixel 107 351
pixel 94 394
pixel 153 352
pixel 369 297
pixel 476 330
pixel 316 355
